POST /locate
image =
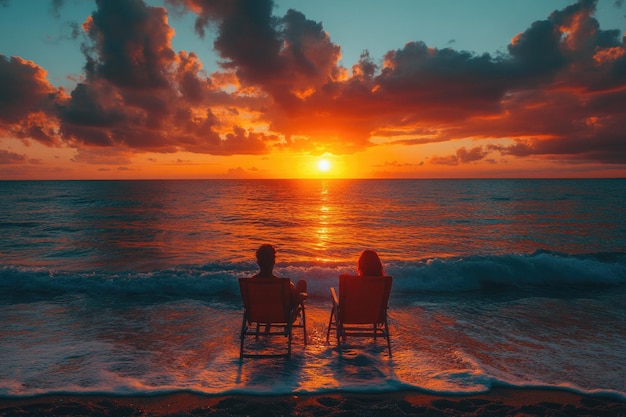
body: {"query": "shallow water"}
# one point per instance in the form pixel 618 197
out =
pixel 130 286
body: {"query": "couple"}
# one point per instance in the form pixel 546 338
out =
pixel 369 264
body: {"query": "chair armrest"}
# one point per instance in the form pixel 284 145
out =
pixel 333 294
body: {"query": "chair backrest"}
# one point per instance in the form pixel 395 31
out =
pixel 363 300
pixel 266 300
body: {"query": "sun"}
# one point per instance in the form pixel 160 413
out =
pixel 323 165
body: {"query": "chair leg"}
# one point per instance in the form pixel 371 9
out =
pixel 330 323
pixel 304 323
pixel 387 335
pixel 340 334
pixel 242 336
pixel 289 343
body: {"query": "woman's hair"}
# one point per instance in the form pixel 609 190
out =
pixel 369 264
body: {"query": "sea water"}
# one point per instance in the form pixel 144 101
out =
pixel 130 287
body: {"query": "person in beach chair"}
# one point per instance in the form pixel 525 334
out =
pixel 360 308
pixel 272 305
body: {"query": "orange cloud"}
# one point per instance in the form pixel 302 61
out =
pixel 560 92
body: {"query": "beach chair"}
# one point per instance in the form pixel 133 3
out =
pixel 270 311
pixel 360 309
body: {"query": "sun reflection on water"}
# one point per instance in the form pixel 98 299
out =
pixel 323 230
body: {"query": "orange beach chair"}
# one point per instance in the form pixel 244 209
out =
pixel 360 309
pixel 269 310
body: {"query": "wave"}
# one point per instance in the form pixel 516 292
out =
pixel 474 385
pixel 539 270
pixel 153 331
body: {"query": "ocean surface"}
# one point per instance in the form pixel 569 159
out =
pixel 130 287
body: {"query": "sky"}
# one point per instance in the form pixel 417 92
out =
pixel 173 89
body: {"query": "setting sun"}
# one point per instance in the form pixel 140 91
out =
pixel 323 165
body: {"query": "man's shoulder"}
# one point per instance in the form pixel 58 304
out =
pixel 263 276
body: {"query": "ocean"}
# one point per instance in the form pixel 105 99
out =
pixel 130 287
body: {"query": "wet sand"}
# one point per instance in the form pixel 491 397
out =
pixel 499 402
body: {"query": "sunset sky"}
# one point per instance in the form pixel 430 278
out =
pixel 299 89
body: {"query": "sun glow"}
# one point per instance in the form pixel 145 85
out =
pixel 323 165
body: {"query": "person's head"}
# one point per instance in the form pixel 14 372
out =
pixel 266 258
pixel 369 264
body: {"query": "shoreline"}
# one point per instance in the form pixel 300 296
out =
pixel 497 402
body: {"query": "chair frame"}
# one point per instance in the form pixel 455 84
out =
pixel 269 310
pixel 346 322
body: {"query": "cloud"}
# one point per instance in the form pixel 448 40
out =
pixel 107 156
pixel 561 88
pixel 24 89
pixel 131 44
pixel 7 158
pixel 139 94
pixel 558 92
pixel 396 164
pixel 56 7
pixel 462 156
pixel 26 101
pixel 239 172
pixel 286 56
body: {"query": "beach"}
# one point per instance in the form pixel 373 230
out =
pixel 498 402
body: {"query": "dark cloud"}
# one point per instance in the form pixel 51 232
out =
pixel 538 51
pixel 286 56
pixel 92 106
pixel 475 154
pixel 250 143
pixel 247 36
pixel 23 89
pixel 562 84
pixel 439 82
pixel 248 41
pixel 7 157
pixel 139 94
pixel 101 156
pixel 462 156
pixel 131 44
pixel 26 101
pixel 559 91
pixel 56 7
pixel 75 30
pixel 604 149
